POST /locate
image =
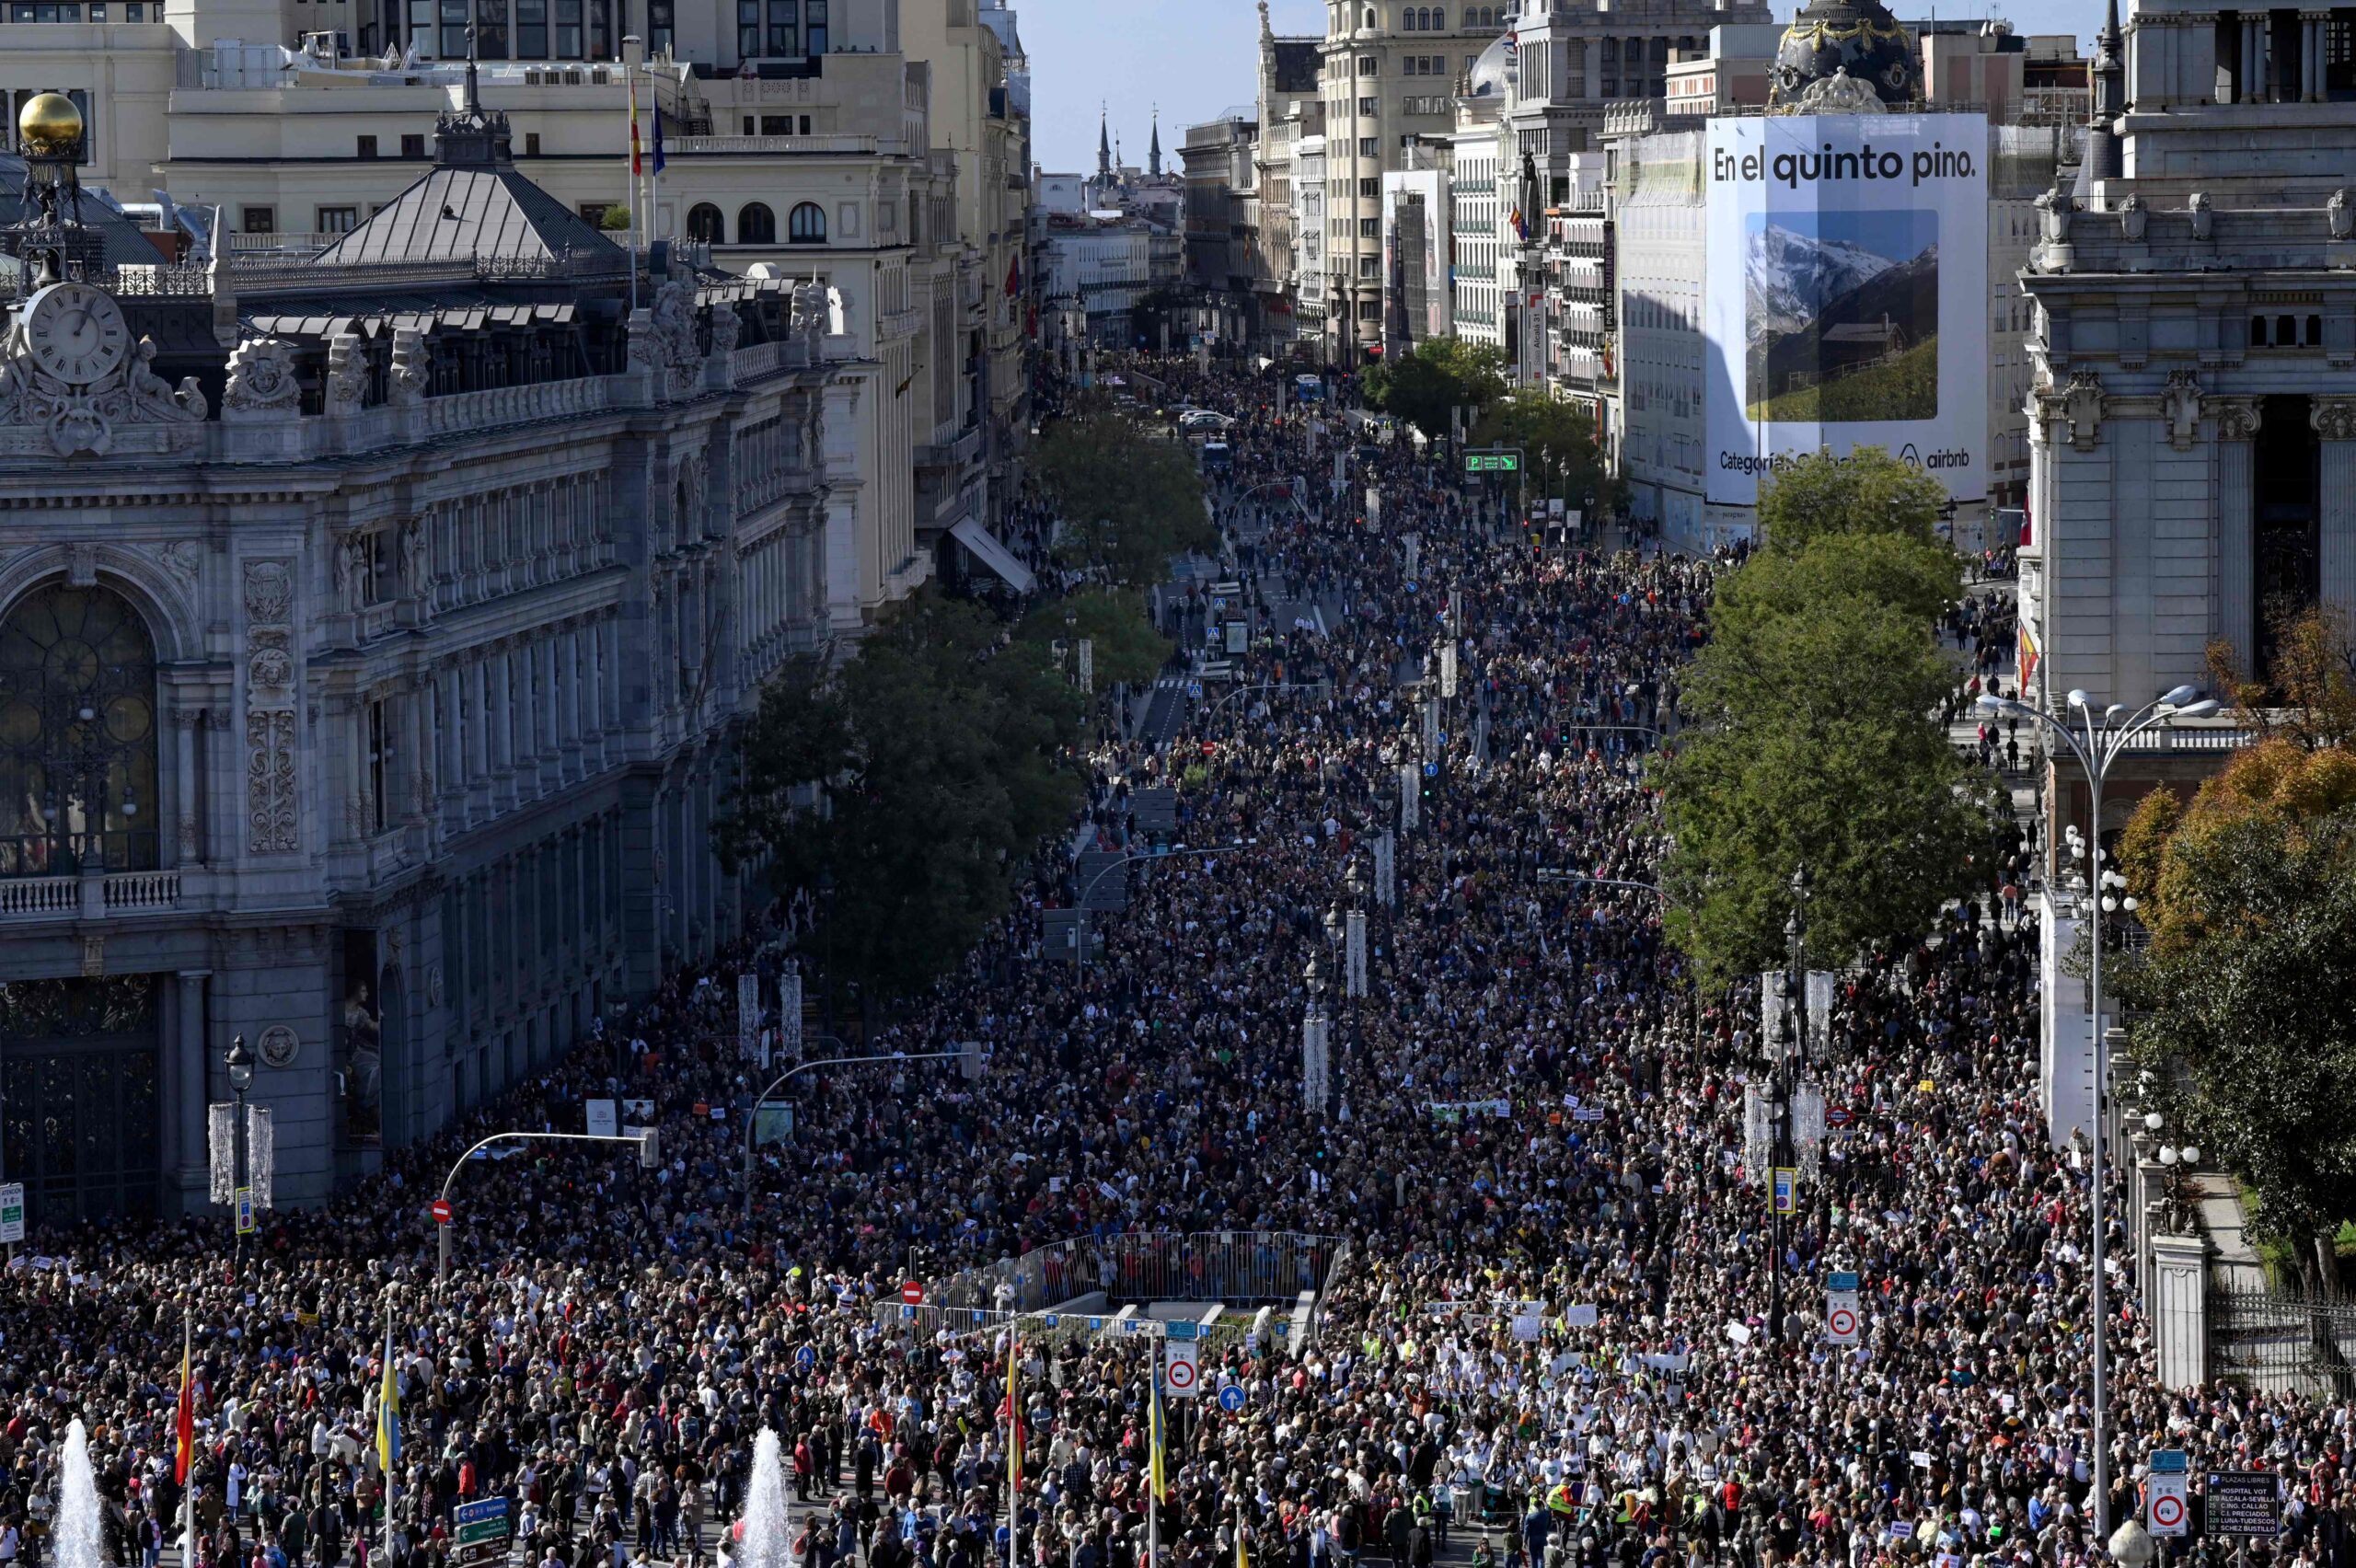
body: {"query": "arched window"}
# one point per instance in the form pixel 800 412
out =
pixel 1439 19
pixel 706 222
pixel 78 735
pixel 1407 21
pixel 755 224
pixel 806 225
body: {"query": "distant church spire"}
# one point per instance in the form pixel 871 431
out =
pixel 1103 143
pixel 1153 152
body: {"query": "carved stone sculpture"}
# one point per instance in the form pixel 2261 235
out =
pixel 261 382
pixel 412 369
pixel 2204 215
pixel 2082 404
pixel 2340 213
pixel 2134 217
pixel 347 384
pixel 2180 408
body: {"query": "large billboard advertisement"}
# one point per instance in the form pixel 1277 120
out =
pixel 1846 303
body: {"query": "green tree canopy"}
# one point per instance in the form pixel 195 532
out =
pixel 2246 1000
pixel 1921 582
pixel 1128 648
pixel 1868 492
pixel 1558 438
pixel 1440 374
pixel 917 778
pixel 1130 499
pixel 1814 745
pixel 1816 749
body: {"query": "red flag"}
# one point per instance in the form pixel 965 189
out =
pixel 1013 277
pixel 184 1424
pixel 637 162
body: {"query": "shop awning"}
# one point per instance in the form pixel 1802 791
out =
pixel 970 533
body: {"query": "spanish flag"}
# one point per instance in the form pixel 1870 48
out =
pixel 388 1409
pixel 1153 1435
pixel 184 1421
pixel 637 157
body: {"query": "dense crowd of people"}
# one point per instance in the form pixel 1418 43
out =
pixel 1556 1328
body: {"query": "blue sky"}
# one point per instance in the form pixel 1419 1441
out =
pixel 1197 57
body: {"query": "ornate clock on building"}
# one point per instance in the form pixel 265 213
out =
pixel 75 332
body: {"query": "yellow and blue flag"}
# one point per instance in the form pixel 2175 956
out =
pixel 389 1412
pixel 1153 1436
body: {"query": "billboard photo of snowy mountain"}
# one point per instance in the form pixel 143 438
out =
pixel 1842 316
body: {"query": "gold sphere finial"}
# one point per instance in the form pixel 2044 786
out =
pixel 49 126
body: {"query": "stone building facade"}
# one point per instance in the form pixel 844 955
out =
pixel 372 638
pixel 2193 414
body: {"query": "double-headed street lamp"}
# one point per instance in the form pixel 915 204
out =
pixel 2098 739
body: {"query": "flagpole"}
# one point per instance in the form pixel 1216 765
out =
pixel 383 1420
pixel 632 93
pixel 187 1482
pixel 1013 1450
pixel 1155 1461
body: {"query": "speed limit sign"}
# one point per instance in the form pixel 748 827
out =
pixel 1181 1375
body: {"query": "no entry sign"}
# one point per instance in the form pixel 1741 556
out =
pixel 1841 1308
pixel 912 1293
pixel 1181 1374
pixel 441 1211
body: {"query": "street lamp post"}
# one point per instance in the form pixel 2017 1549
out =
pixel 1781 1086
pixel 2096 741
pixel 645 1142
pixel 753 1116
pixel 240 1065
pixel 1081 905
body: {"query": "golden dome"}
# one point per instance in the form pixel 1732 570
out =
pixel 49 125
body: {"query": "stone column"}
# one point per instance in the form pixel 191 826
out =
pixel 451 714
pixel 184 1094
pixel 2335 422
pixel 2180 1309
pixel 483 766
pixel 187 712
pixel 418 777
pixel 2237 541
pixel 500 703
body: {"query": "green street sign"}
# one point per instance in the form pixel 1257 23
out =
pixel 1492 462
pixel 12 1212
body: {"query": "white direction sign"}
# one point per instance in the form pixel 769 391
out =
pixel 12 1213
pixel 1182 1376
